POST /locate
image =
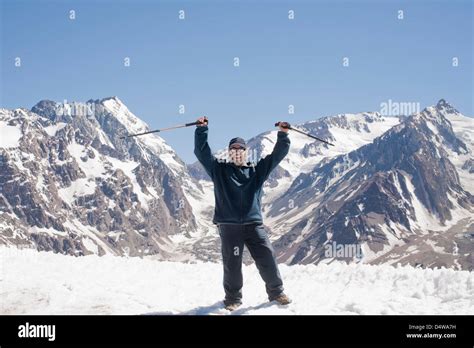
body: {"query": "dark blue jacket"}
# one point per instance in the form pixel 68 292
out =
pixel 238 190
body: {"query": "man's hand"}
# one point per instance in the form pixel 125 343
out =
pixel 202 121
pixel 284 126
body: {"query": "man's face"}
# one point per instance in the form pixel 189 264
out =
pixel 238 155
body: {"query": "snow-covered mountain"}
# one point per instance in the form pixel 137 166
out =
pixel 400 198
pixel 398 187
pixel 71 184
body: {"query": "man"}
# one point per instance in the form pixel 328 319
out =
pixel 238 191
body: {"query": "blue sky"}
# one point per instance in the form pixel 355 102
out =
pixel 282 61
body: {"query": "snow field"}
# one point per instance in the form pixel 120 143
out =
pixel 46 283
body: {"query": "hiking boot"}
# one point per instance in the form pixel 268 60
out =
pixel 231 305
pixel 281 299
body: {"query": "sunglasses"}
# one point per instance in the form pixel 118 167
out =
pixel 237 147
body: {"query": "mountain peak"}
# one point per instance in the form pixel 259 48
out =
pixel 46 108
pixel 45 103
pixel 112 98
pixel 121 112
pixel 444 105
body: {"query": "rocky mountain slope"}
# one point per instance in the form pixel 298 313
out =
pixel 396 189
pixel 71 184
pixel 399 198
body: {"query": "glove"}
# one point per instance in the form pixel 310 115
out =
pixel 203 121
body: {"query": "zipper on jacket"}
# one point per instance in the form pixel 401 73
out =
pixel 241 212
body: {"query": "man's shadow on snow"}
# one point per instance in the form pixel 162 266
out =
pixel 244 310
pixel 215 308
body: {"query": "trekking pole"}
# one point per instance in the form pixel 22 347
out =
pixel 164 129
pixel 304 133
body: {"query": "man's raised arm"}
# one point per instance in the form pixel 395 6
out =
pixel 280 150
pixel 201 146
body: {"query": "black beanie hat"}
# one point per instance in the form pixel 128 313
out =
pixel 239 141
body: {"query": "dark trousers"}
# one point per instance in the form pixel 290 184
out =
pixel 254 237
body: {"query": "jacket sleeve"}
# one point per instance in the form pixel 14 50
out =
pixel 203 151
pixel 267 164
